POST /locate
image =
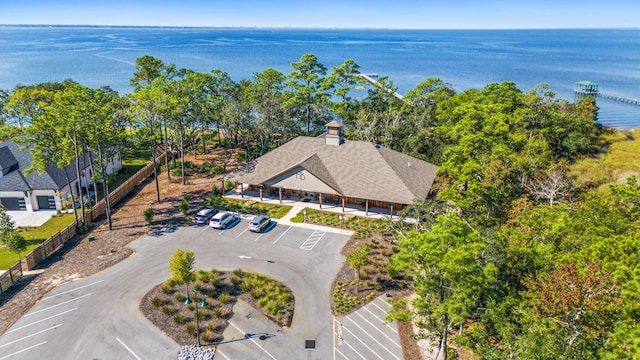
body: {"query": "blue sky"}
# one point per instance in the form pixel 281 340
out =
pixel 423 14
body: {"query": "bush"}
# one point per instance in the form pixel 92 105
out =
pixel 167 310
pixel 148 215
pixel 191 329
pixel 178 319
pixel 156 301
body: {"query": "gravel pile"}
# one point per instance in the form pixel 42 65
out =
pixel 190 352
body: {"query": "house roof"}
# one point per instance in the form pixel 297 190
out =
pixel 356 169
pixel 7 160
pixel 52 178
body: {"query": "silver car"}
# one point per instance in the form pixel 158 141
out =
pixel 259 223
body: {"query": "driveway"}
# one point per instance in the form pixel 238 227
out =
pixel 98 317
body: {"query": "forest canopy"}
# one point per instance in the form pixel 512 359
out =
pixel 516 258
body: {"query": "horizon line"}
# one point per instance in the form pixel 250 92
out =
pixel 310 27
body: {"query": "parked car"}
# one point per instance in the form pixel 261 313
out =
pixel 259 223
pixel 221 220
pixel 203 216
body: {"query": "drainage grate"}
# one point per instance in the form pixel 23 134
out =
pixel 309 344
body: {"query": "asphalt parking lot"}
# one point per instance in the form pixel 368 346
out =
pixel 98 317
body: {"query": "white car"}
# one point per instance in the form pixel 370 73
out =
pixel 221 220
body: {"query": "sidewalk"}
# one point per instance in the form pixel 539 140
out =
pixel 295 210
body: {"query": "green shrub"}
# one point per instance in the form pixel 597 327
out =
pixel 178 319
pixel 167 310
pixel 180 297
pixel 217 313
pixel 148 215
pixel 224 298
pixel 191 329
pixel 156 301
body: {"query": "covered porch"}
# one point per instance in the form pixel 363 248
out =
pixel 319 201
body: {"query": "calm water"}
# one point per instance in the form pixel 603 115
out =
pixel 97 56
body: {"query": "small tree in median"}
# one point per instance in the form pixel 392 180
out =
pixel 181 267
pixel 357 259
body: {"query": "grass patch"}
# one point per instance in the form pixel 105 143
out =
pixel 248 207
pixel 136 157
pixel 35 237
pixel 614 165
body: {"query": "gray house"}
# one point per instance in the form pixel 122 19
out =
pixel 40 191
pixel 331 170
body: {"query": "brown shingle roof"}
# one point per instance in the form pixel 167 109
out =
pixel 355 169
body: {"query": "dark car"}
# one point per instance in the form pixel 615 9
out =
pixel 203 216
pixel 259 223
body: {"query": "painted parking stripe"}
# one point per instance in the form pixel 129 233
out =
pixel 31 335
pixel 345 342
pixel 252 340
pixel 244 231
pixel 68 291
pixel 312 240
pixel 62 303
pixel 23 350
pixel 39 321
pixel 377 328
pixel 220 352
pixel 343 355
pixel 280 237
pixel 383 321
pixel 362 342
pixel 126 347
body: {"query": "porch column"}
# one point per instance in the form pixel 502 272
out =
pixel 260 194
pixel 366 207
pixel 320 199
pixel 280 194
pixel 391 211
pixel 342 198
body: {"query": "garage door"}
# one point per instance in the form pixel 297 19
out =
pixel 46 202
pixel 13 204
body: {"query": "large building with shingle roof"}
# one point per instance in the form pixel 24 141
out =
pixel 331 170
pixel 48 190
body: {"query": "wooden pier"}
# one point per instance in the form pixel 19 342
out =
pixel 371 79
pixel 589 88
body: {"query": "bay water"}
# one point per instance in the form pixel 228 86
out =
pixel 99 56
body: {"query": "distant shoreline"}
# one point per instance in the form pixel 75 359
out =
pixel 77 26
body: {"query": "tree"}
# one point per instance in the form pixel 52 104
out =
pixel 181 267
pixel 305 82
pixel 7 226
pixel 16 243
pixel 449 273
pixel 357 259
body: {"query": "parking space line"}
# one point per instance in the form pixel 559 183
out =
pixel 23 350
pixel 384 322
pixel 341 353
pixel 354 350
pixel 220 352
pixel 244 231
pixel 31 335
pixel 252 340
pixel 62 303
pixel 258 238
pixel 362 342
pixel 378 328
pixel 126 347
pixel 376 340
pixel 39 321
pixel 381 309
pixel 68 291
pixel 280 237
pixel 206 227
pixel 312 240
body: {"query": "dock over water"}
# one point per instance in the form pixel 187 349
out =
pixel 589 88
